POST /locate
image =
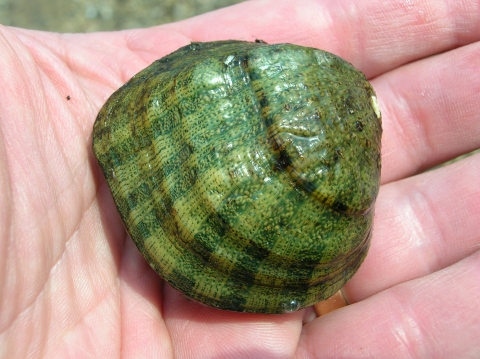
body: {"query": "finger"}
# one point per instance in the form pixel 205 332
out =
pixel 430 111
pixel 422 224
pixel 198 331
pixel 433 317
pixel 375 36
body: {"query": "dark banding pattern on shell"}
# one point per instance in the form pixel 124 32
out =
pixel 245 173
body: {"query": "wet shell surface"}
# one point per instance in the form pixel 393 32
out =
pixel 246 173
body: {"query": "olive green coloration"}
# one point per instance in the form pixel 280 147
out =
pixel 246 173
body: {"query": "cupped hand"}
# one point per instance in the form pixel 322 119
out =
pixel 72 284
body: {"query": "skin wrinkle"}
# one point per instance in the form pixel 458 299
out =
pixel 106 76
pixel 300 331
pixel 437 236
pixel 54 265
pixel 417 233
pixel 12 283
pixel 28 312
pixel 78 90
pixel 39 200
pixel 47 215
pixel 410 133
pixel 63 46
pixel 91 276
pixel 51 66
pixel 45 315
pixel 471 238
pixel 412 214
pixel 399 127
pixel 319 18
pixel 424 186
pixel 409 335
pixel 461 34
pixel 18 279
pixel 8 219
pixel 134 41
pixel 73 183
pixel 50 202
pixel 29 306
pixel 128 71
pixel 364 45
pixel 424 137
pixel 60 193
pixel 414 134
pixel 441 99
pixel 353 22
pixel 96 300
pixel 142 53
pixel 82 82
pixel 418 293
pixel 80 321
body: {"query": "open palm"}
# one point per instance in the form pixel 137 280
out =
pixel 72 284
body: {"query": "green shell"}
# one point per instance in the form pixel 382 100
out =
pixel 246 173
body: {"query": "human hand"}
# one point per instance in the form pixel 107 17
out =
pixel 72 282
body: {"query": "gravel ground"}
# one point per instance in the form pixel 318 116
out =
pixel 102 15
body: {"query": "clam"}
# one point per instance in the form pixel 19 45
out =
pixel 245 173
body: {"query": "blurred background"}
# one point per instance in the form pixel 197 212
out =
pixel 101 15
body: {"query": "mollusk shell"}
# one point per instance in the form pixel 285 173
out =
pixel 245 173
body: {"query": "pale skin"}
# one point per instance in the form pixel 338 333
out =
pixel 72 283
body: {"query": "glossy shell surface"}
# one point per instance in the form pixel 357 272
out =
pixel 246 173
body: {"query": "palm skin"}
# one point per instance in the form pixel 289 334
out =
pixel 72 284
